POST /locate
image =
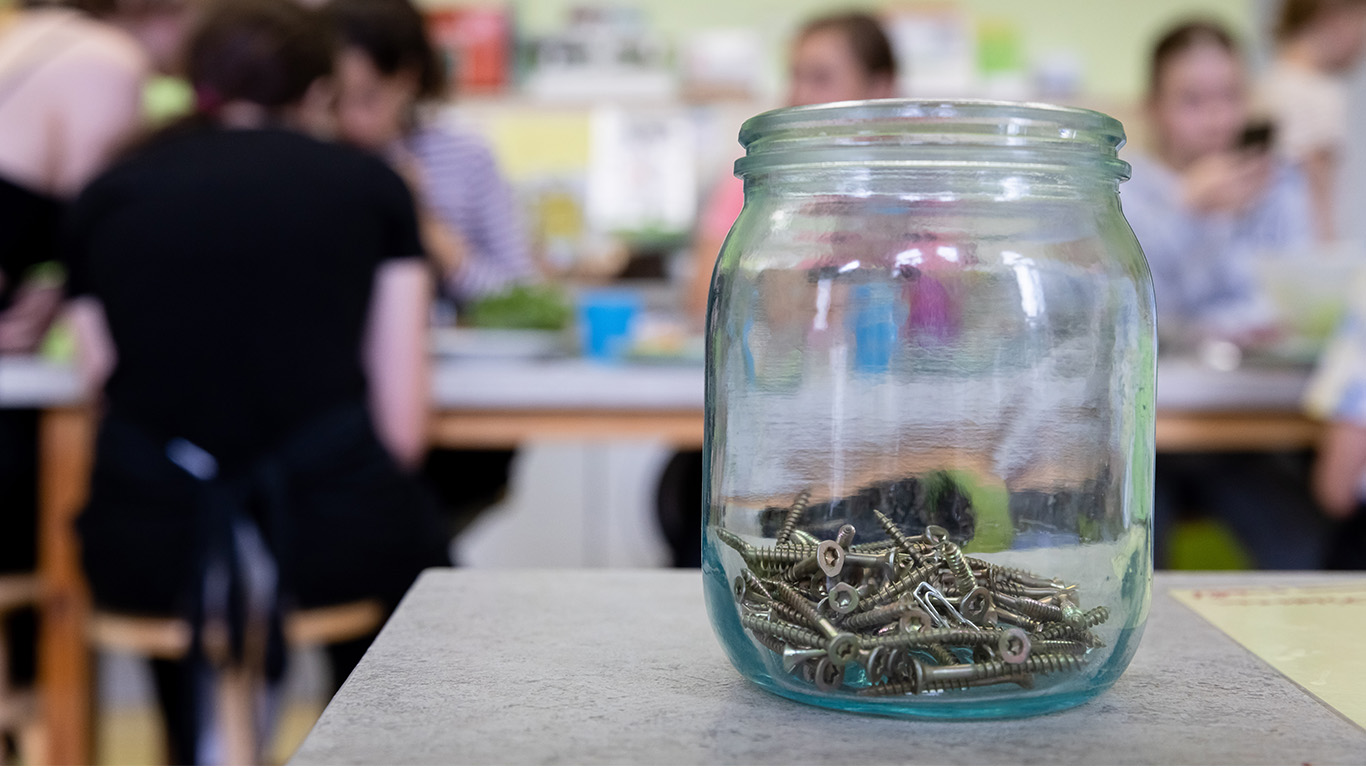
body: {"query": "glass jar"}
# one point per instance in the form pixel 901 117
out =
pixel 929 416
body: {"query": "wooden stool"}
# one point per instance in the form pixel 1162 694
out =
pixel 170 638
pixel 18 708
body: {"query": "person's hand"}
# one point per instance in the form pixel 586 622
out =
pixel 25 323
pixel 1338 469
pixel 1228 182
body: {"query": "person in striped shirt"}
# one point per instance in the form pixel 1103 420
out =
pixel 470 224
pixel 387 70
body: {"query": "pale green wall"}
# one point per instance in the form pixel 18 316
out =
pixel 1110 36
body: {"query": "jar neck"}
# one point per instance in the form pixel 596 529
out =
pixel 937 184
pixel 966 148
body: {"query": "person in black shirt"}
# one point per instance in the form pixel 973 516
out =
pixel 254 303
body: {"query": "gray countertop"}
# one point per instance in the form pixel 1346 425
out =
pixel 616 666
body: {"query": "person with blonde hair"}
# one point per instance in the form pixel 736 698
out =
pixel 71 84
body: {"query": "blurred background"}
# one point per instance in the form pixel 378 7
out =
pixel 612 125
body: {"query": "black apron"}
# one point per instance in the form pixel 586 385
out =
pixel 338 517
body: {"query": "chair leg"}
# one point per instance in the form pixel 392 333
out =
pixel 236 717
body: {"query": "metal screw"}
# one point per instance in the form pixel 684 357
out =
pixel 963 580
pixel 1030 607
pixel 843 599
pixel 1014 646
pixel 928 637
pixel 829 675
pixel 903 542
pixel 923 678
pixel 905 687
pixel 841 646
pixel 794 514
pixel 789 632
pixel 978 607
pixel 1097 615
pixel 875 617
pixel 794 656
pixel 907 582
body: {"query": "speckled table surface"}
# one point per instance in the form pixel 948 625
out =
pixel 618 667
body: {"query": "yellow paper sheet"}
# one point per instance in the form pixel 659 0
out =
pixel 1312 635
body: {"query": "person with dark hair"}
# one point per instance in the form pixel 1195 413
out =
pixel 839 57
pixel 388 72
pixel 252 302
pixel 1317 42
pixel 1203 205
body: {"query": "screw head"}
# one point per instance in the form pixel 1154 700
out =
pixel 914 620
pixel 875 663
pixel 830 558
pixel 1014 646
pixel 842 648
pixel 935 534
pixel 843 598
pixel 975 604
pixel 829 676
pixel 915 674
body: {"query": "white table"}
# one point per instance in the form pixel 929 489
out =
pixel 621 667
pixel 501 403
pixel 489 404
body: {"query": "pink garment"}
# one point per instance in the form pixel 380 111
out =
pixel 721 210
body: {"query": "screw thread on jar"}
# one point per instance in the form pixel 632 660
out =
pixel 963 579
pixel 1067 647
pixel 1020 577
pixel 1031 608
pixel 1024 680
pixel 789 632
pixel 876 616
pixel 906 583
pixel 903 542
pixel 945 636
pixel 754 585
pixel 794 513
pixel 775 558
pixel 1040 664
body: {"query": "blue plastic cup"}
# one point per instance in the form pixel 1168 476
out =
pixel 606 322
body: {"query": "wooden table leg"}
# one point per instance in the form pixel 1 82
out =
pixel 66 442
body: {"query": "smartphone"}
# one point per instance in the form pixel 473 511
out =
pixel 1257 136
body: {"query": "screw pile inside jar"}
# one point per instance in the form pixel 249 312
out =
pixel 904 614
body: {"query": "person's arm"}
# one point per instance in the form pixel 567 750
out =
pixel 1320 169
pixel 499 251
pixel 1339 468
pixel 24 324
pixel 95 353
pixel 101 108
pixel 395 358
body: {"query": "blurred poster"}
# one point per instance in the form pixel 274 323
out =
pixel 936 46
pixel 642 175
pixel 476 43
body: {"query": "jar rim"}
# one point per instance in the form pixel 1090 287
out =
pixel 933 132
